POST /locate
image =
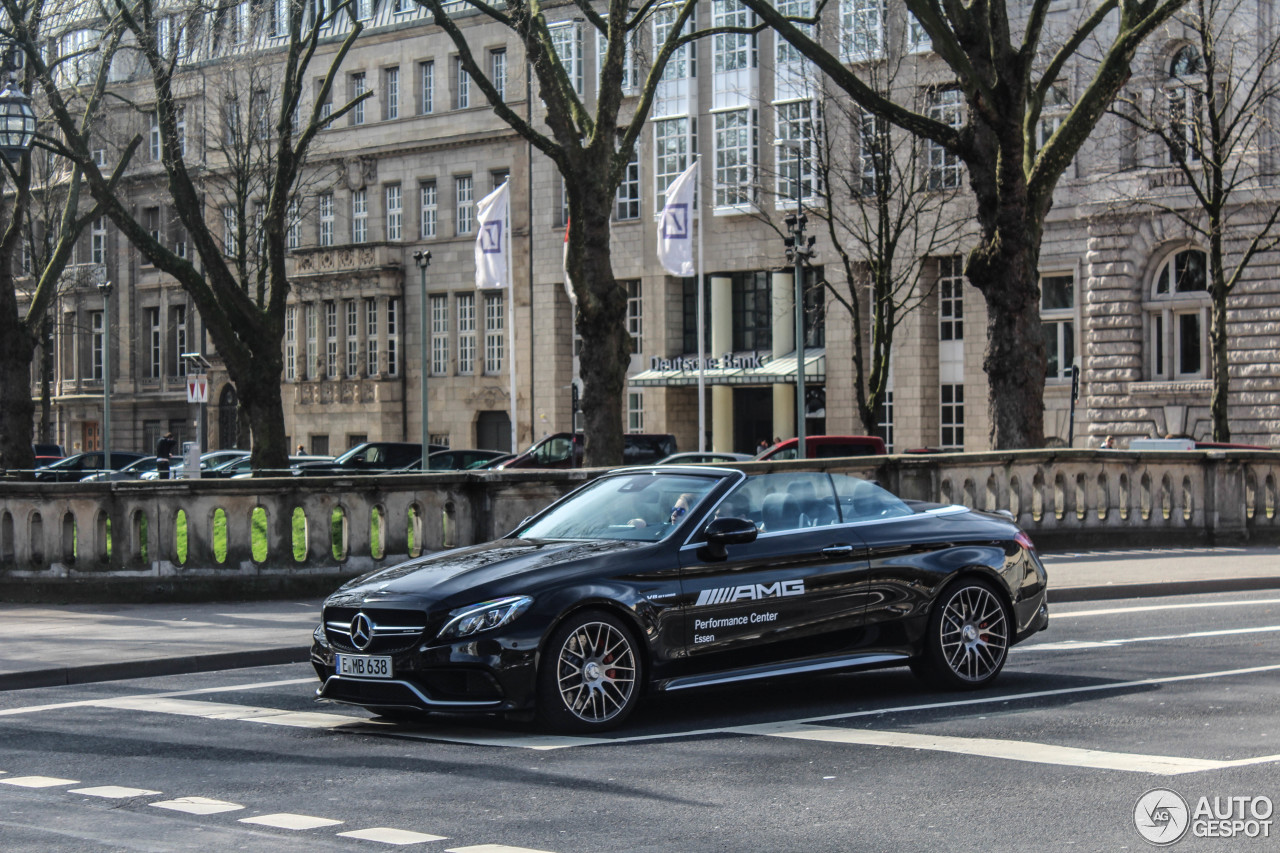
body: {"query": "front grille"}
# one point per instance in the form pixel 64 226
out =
pixel 394 629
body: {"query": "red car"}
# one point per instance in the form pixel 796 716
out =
pixel 825 447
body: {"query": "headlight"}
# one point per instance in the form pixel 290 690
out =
pixel 466 621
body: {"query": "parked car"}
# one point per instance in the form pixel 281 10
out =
pixel 372 457
pixel 81 465
pixel 132 471
pixel 46 453
pixel 672 578
pixel 238 469
pixel 565 450
pixel 694 457
pixel 825 447
pixel 208 462
pixel 462 460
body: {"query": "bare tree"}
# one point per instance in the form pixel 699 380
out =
pixel 1214 119
pixel 243 308
pixel 1004 67
pixel 35 251
pixel 591 146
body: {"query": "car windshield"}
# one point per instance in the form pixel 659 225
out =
pixel 646 507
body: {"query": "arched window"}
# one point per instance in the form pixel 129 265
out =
pixel 1184 92
pixel 1177 317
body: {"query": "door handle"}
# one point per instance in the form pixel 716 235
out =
pixel 837 550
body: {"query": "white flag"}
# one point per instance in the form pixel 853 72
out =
pixel 675 226
pixel 564 265
pixel 492 240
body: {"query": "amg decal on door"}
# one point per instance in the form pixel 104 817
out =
pixel 750 592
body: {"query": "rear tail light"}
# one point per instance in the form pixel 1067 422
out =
pixel 1025 541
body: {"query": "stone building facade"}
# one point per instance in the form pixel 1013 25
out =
pixel 406 176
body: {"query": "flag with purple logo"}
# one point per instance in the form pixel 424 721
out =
pixel 675 226
pixel 491 239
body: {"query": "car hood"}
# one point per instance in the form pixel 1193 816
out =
pixel 506 566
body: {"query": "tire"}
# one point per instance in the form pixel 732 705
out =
pixel 590 676
pixel 969 635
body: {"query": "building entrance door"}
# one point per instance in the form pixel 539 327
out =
pixel 752 418
pixel 493 432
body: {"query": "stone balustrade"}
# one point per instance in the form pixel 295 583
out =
pixel 185 537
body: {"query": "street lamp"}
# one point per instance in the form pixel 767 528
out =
pixel 798 250
pixel 104 287
pixel 17 118
pixel 423 260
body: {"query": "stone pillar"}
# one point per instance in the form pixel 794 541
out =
pixel 721 343
pixel 784 341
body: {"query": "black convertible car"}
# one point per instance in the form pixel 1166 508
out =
pixel 671 578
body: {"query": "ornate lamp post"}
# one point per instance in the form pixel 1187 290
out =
pixel 798 252
pixel 17 118
pixel 423 260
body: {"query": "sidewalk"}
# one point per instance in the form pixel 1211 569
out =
pixel 47 645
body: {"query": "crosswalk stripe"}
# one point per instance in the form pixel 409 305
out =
pixel 387 835
pixel 285 820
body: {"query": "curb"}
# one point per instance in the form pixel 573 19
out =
pixel 1109 592
pixel 122 670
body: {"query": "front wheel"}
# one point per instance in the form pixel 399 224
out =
pixel 968 639
pixel 589 679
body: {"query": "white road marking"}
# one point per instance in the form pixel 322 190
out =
pixel 114 792
pixel 1013 750
pixel 387 835
pixel 1111 611
pixel 197 805
pixel 285 820
pixel 1066 645
pixel 38 781
pixel 223 711
pixel 493 848
pixel 230 688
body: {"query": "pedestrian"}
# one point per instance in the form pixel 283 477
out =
pixel 763 445
pixel 1109 443
pixel 164 449
pixel 302 451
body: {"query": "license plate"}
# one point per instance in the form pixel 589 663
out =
pixel 365 666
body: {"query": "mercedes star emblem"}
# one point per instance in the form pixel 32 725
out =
pixel 361 631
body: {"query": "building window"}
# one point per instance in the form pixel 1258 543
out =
pixel 353 338
pixel 293 225
pixel 391 94
pixel 494 305
pixel 884 421
pixel 731 51
pixel 635 411
pixel 752 310
pixel 466 333
pixel 950 299
pixel 179 313
pixel 357 86
pixel 154 137
pixel 918 40
pixel 952 417
pixel 498 71
pixel 631 73
pixel 628 200
pixel 1186 106
pixel 230 122
pixel 735 157
pixel 945 169
pixel 371 336
pixel 325 208
pixel 439 335
pixel 155 340
pixel 427 206
pixel 635 314
pixel 1057 321
pixel 1178 317
pixel 395 212
pixel 463 99
pixel 291 343
pixel 796 169
pixel 873 149
pixel 393 337
pixel 312 367
pixel 566 38
pixel 464 195
pixel 331 339
pixel 427 82
pixel 230 241
pixel 682 64
pixel 360 216
pixel 98 241
pixel 861 30
pixel 672 143
pixel 1057 104
pixel 97 342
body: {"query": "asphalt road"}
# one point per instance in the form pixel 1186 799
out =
pixel 1117 698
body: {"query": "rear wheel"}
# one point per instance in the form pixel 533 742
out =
pixel 590 676
pixel 968 639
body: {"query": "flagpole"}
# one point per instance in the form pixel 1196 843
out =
pixel 511 324
pixel 702 374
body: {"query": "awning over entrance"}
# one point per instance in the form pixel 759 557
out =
pixel 734 369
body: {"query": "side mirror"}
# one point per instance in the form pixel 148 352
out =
pixel 723 532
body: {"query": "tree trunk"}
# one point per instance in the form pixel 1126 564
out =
pixel 1221 378
pixel 602 324
pixel 17 411
pixel 258 387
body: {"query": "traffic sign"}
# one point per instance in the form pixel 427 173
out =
pixel 197 389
